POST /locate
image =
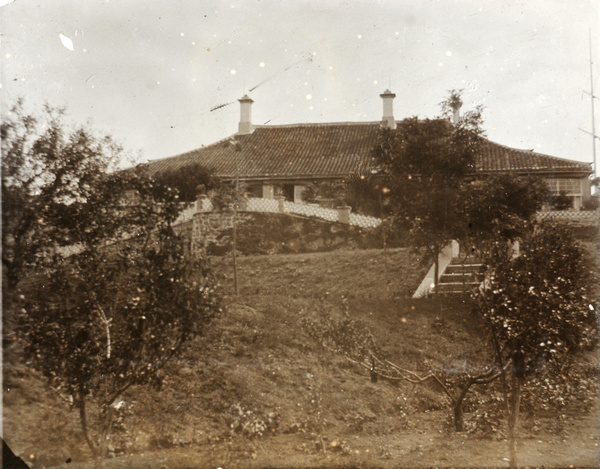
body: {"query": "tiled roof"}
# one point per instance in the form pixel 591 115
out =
pixel 319 150
pixel 332 151
pixel 499 158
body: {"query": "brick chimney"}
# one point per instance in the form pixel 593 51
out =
pixel 245 126
pixel 388 109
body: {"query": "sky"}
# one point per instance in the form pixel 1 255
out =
pixel 164 77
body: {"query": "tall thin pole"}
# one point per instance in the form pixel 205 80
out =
pixel 234 237
pixel 235 216
pixel 592 99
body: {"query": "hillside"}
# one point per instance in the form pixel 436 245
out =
pixel 259 392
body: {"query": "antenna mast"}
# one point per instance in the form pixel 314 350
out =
pixel 591 94
pixel 592 99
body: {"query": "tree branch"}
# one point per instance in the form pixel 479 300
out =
pixel 106 323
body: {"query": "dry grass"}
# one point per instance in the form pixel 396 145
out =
pixel 258 358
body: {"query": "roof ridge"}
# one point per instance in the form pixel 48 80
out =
pixel 316 124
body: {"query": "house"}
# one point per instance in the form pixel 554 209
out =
pixel 286 159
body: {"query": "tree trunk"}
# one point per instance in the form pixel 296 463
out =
pixel 515 404
pixel 436 270
pixel 84 424
pixel 107 425
pixel 512 400
pixel 459 425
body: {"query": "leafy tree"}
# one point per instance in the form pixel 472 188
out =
pixel 501 207
pixel 424 173
pixel 536 310
pixel 104 290
pixel 61 189
pixel 107 320
pixel 427 184
pixel 186 180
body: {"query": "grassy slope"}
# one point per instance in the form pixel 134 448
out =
pixel 258 360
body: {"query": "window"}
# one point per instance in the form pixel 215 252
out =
pixel 570 187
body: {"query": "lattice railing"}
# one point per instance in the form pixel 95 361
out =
pixel 364 221
pixel 255 204
pixel 186 215
pixel 328 214
pixel 574 217
pixel 279 205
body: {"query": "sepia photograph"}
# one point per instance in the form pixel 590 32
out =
pixel 300 234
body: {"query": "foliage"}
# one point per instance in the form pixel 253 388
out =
pixel 593 203
pixel 428 188
pixel 106 321
pixel 249 423
pixel 356 191
pixel 326 193
pixel 560 201
pixel 536 303
pixel 502 206
pixel 185 180
pixel 57 188
pixel 112 293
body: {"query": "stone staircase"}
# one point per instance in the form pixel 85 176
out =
pixel 460 276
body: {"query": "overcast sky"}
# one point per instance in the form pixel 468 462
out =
pixel 150 72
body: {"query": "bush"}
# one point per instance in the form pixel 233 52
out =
pixel 560 202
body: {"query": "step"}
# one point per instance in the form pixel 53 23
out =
pixel 457 287
pixel 454 277
pixel 463 268
pixel 467 260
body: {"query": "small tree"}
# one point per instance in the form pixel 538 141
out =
pixel 536 310
pixel 111 319
pixel 353 340
pixel 424 173
pixel 112 293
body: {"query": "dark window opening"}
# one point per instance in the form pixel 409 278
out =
pixel 288 192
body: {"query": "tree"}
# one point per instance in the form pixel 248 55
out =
pixel 61 189
pixel 425 168
pixel 107 320
pixel 105 291
pixel 186 180
pixel 427 184
pixel 353 340
pixel 501 207
pixel 536 310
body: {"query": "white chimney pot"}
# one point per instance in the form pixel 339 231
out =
pixel 245 126
pixel 388 109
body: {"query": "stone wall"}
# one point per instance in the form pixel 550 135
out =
pixel 270 233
